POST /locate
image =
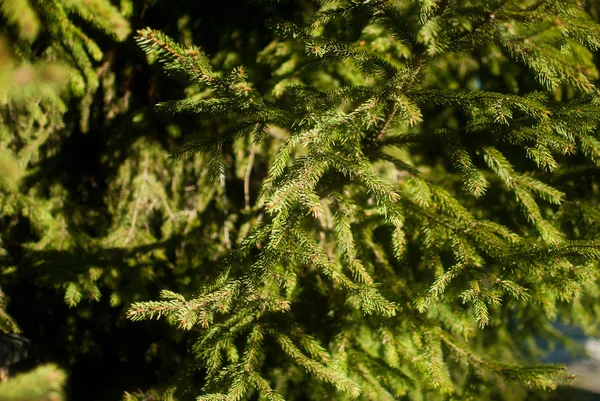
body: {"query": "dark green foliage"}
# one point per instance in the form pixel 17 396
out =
pixel 379 208
pixel 348 200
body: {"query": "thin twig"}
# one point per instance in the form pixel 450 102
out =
pixel 390 116
pixel 387 122
pixel 491 16
pixel 227 239
pixel 247 178
pixel 138 204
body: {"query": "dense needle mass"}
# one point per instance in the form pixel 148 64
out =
pixel 371 200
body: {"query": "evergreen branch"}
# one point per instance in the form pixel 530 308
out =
pixel 490 17
pixel 44 383
pixel 347 245
pixel 384 208
pixel 191 62
pixel 104 15
pixel 265 389
pixel 438 373
pixel 403 86
pixel 322 372
pixel 21 14
pixel 386 123
pixel 388 380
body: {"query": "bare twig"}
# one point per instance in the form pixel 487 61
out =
pixel 387 122
pixel 227 239
pixel 138 204
pixel 247 178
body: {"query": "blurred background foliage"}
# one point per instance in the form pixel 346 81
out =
pixel 94 214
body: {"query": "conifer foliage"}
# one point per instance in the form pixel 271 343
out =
pixel 46 62
pixel 405 228
pixel 352 199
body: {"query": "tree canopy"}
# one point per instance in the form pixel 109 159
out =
pixel 374 200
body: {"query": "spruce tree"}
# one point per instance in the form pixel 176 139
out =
pixel 374 199
pixel 406 228
pixel 47 62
